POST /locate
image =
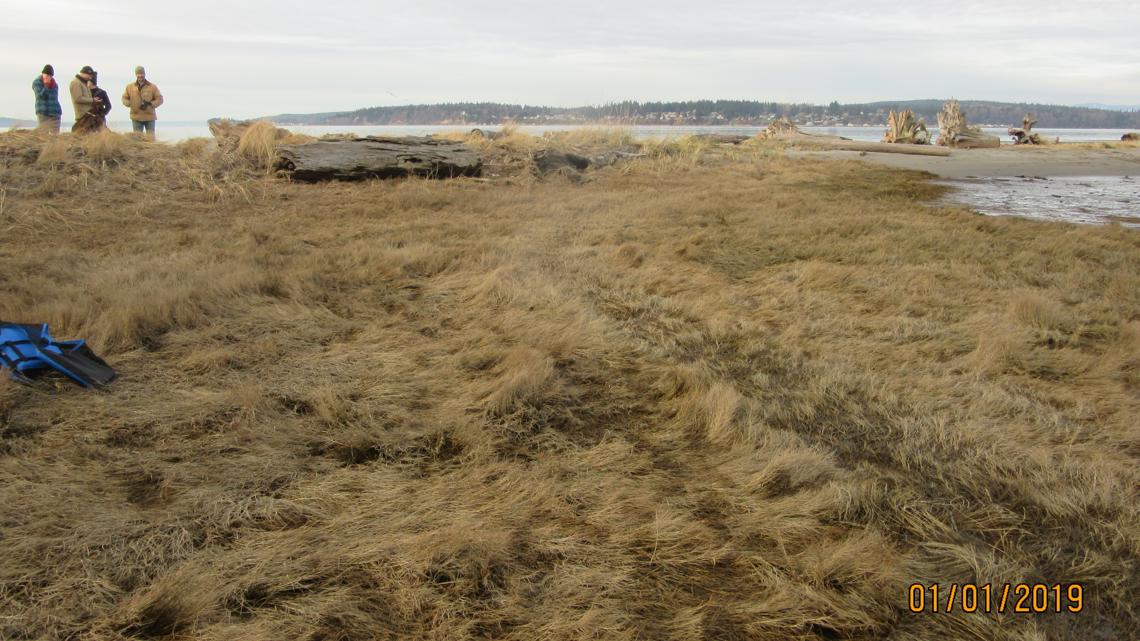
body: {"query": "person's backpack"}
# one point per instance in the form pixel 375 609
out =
pixel 25 349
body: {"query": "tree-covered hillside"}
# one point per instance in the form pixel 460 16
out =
pixel 702 112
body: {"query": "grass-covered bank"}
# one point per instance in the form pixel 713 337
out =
pixel 696 396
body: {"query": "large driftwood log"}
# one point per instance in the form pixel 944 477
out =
pixel 784 130
pixel 378 157
pixel 488 134
pixel 840 144
pixel 724 139
pixel 549 162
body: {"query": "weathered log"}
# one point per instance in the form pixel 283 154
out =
pixel 839 144
pixel 548 162
pixel 489 135
pixel 1131 136
pixel 378 157
pixel 724 139
pixel 969 140
pixel 783 129
pixel 614 156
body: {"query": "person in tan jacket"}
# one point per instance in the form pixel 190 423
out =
pixel 142 97
pixel 81 98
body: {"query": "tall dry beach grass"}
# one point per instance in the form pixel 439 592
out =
pixel 698 395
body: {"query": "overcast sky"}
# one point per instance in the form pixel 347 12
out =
pixel 253 58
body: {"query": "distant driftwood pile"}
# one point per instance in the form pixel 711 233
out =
pixel 954 131
pixel 904 127
pixel 378 157
pixel 786 131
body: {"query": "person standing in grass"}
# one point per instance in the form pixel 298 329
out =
pixel 81 98
pixel 48 110
pixel 96 118
pixel 142 97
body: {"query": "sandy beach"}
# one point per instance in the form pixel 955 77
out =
pixel 1047 162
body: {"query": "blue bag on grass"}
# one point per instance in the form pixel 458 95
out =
pixel 26 349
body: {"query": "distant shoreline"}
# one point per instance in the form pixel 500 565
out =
pixel 713 113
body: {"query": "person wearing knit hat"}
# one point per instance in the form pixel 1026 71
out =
pixel 142 97
pixel 48 110
pixel 81 98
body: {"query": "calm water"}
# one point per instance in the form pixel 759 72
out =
pixel 175 132
pixel 1095 200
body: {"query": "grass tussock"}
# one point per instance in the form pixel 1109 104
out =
pixel 7 391
pixel 259 142
pixel 705 394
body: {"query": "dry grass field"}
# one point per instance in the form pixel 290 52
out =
pixel 705 394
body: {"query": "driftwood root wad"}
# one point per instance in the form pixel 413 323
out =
pixel 1024 135
pixel 378 157
pixel 954 130
pixel 904 127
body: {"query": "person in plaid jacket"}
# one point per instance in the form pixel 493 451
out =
pixel 48 110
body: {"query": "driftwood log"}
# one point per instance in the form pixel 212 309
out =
pixel 378 157
pixel 840 144
pixel 1131 136
pixel 724 139
pixel 955 131
pixel 784 130
pixel 489 135
pixel 550 161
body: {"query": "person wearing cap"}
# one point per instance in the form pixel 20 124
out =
pixel 142 97
pixel 81 98
pixel 48 110
pixel 96 118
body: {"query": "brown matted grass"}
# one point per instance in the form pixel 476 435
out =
pixel 697 396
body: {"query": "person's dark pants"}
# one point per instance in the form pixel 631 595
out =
pixel 141 126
